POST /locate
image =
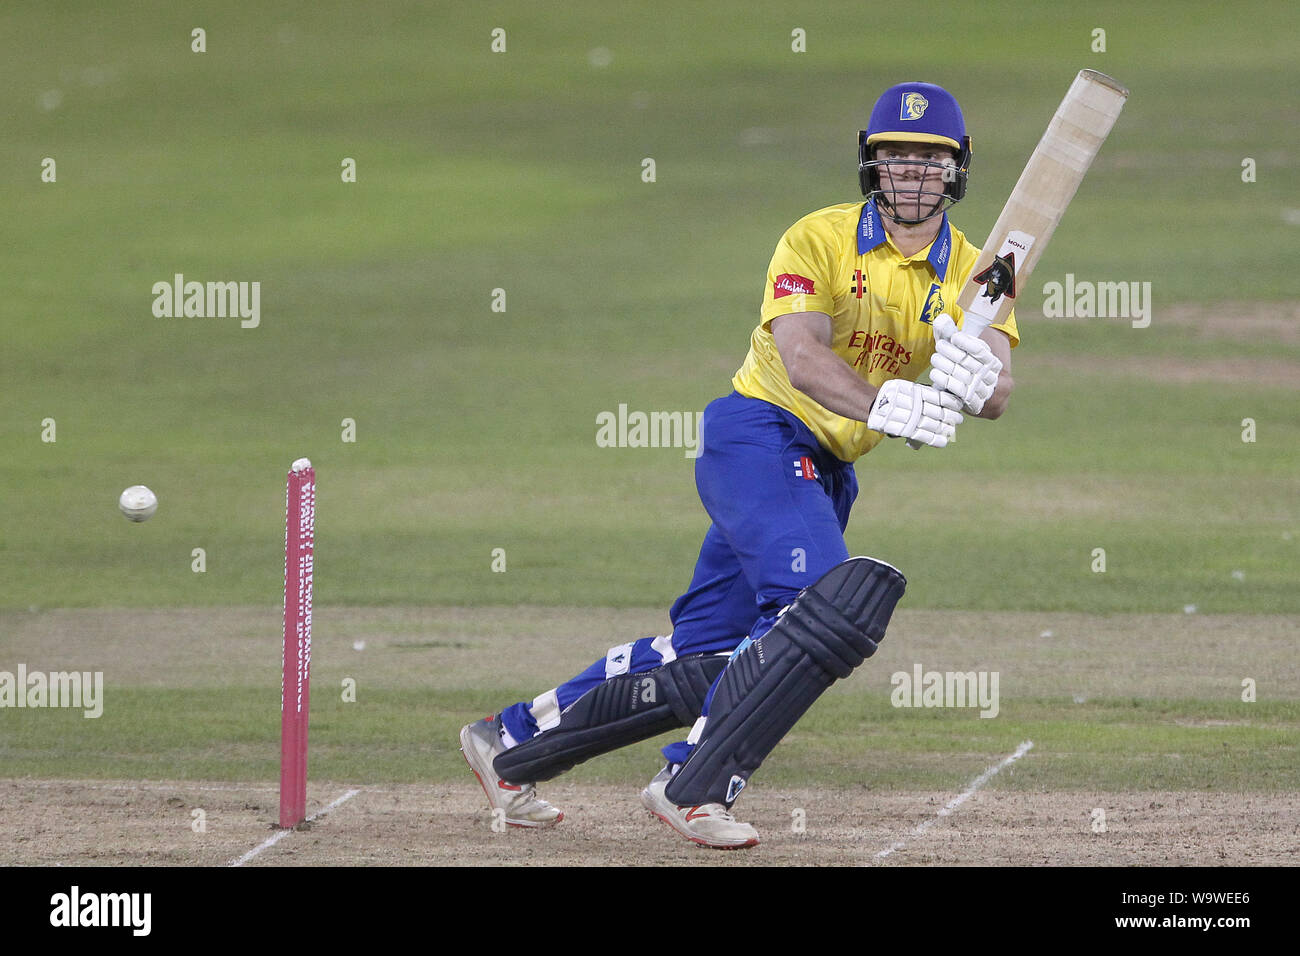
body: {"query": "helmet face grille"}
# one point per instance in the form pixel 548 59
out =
pixel 928 199
pixel 954 180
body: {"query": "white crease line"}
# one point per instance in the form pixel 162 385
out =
pixel 281 834
pixel 957 801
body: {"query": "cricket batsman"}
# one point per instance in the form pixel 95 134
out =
pixel 859 301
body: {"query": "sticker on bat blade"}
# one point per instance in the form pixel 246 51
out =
pixel 999 278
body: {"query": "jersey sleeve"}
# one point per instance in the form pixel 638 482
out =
pixel 799 275
pixel 1009 326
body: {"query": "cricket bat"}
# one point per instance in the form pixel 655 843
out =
pixel 1037 203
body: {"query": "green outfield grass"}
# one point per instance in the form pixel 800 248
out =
pixel 852 742
pixel 521 171
pixel 475 430
pixel 1111 703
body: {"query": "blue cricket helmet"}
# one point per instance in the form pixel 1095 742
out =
pixel 915 113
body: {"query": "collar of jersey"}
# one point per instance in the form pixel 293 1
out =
pixel 871 233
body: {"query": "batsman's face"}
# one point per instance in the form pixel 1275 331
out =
pixel 913 176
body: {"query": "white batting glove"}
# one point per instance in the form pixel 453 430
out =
pixel 922 413
pixel 963 365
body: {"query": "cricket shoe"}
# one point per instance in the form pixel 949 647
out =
pixel 709 825
pixel 480 744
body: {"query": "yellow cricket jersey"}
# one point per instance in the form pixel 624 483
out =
pixel 840 261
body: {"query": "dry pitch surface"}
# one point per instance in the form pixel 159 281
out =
pixel 124 824
pixel 114 823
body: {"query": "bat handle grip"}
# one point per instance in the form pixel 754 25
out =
pixel 974 324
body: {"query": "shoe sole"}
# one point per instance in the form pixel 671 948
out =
pixel 522 824
pixel 700 841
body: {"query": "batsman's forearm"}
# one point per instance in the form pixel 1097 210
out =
pixel 829 381
pixel 997 402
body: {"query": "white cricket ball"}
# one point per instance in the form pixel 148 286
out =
pixel 138 503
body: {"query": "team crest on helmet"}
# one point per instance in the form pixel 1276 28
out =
pixel 913 106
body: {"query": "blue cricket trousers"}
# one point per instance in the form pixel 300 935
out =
pixel 779 503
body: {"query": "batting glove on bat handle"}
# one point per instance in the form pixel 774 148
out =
pixel 906 409
pixel 963 365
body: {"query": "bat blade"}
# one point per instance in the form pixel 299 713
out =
pixel 1050 179
pixel 1039 200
